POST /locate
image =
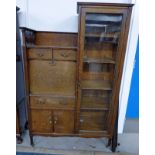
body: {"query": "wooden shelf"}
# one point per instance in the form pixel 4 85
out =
pixel 95 109
pixel 107 35
pixel 103 60
pixel 96 85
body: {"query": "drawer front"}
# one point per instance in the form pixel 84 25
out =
pixel 52 102
pixel 39 53
pixel 57 78
pixel 93 121
pixel 64 54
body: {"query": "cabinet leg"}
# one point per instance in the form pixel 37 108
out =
pixel 31 140
pixel 114 140
pixel 19 139
pixel 114 143
pixel 109 142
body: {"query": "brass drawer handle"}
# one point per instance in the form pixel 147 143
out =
pixel 41 101
pixel 81 120
pixel 50 122
pixel 52 63
pixel 63 103
pixel 65 55
pixel 40 54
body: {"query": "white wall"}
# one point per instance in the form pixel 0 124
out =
pixel 61 16
pixel 52 15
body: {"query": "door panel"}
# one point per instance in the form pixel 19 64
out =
pixel 41 121
pixel 56 78
pixel 63 121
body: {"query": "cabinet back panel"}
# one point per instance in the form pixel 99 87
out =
pixel 56 39
pixel 93 121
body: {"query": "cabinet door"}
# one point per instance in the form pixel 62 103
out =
pixel 101 35
pixel 63 121
pixel 41 121
pixel 56 78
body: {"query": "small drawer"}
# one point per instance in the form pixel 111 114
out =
pixel 52 102
pixel 39 53
pixel 64 54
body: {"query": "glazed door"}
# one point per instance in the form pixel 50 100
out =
pixel 101 33
pixel 63 121
pixel 41 121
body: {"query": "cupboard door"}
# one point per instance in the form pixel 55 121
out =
pixel 63 121
pixel 93 120
pixel 56 78
pixel 41 121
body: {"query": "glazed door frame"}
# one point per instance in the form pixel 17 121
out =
pixel 119 59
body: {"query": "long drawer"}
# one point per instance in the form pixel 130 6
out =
pixel 45 102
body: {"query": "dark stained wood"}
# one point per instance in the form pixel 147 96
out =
pixel 56 39
pixel 52 77
pixel 41 121
pixel 63 121
pixel 48 102
pixel 96 85
pixel 94 53
pixel 64 55
pixel 108 5
pixel 73 88
pixel 93 121
pixel 41 53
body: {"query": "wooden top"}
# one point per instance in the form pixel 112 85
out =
pixel 91 4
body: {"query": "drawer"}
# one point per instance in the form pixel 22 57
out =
pixel 39 53
pixel 52 102
pixel 60 54
pixel 93 120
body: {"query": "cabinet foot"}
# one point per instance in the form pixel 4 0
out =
pixel 114 140
pixel 109 143
pixel 31 140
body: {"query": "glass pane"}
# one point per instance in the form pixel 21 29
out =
pixel 95 99
pixel 97 67
pixel 102 33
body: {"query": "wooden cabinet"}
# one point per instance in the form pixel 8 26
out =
pixel 102 39
pixel 50 60
pixel 73 80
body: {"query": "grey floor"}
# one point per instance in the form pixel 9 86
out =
pixel 129 142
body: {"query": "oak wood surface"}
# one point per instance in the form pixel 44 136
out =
pixel 72 85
